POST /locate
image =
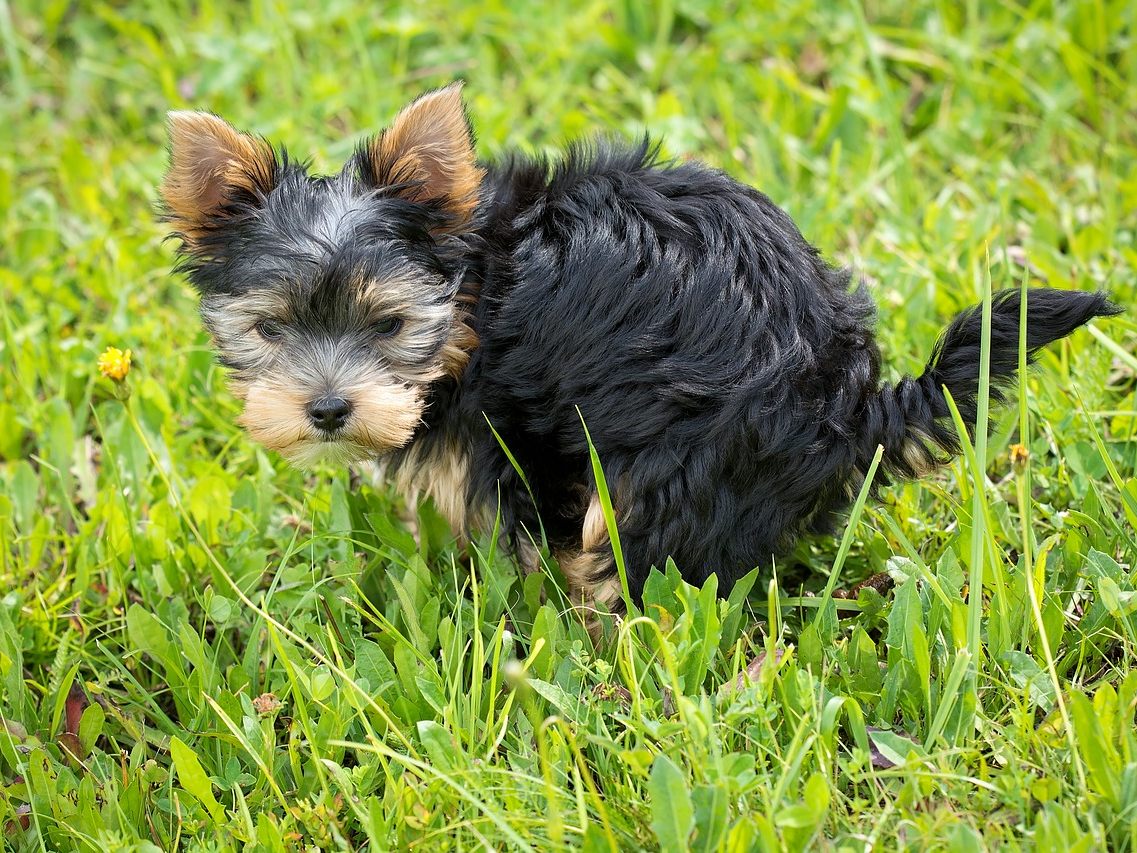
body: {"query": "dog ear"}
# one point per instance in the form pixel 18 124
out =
pixel 427 154
pixel 211 165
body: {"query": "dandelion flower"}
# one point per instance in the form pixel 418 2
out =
pixel 114 363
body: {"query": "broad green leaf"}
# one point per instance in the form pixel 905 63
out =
pixel 672 815
pixel 569 707
pixel 372 663
pixel 1098 753
pixel 193 778
pixel 439 745
pixel 91 725
pixel 895 747
pixel 148 634
pixel 711 804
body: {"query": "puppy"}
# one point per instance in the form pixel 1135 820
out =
pixel 727 374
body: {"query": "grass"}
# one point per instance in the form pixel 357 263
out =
pixel 202 649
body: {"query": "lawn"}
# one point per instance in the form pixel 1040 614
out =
pixel 204 649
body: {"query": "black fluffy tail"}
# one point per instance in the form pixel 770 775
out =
pixel 911 419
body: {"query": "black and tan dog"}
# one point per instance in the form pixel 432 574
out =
pixel 727 374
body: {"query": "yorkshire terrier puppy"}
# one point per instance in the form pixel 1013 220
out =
pixel 727 374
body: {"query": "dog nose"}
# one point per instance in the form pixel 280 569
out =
pixel 329 413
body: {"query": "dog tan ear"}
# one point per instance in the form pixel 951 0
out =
pixel 210 162
pixel 429 148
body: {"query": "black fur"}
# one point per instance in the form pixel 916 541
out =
pixel 728 375
pixel 916 411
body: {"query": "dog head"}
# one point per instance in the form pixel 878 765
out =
pixel 334 300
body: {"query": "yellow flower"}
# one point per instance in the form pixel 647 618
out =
pixel 114 363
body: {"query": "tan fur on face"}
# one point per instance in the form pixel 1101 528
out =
pixel 384 418
pixel 387 415
pixel 209 160
pixel 429 145
pixel 274 415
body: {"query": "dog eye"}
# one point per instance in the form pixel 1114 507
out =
pixel 270 330
pixel 387 326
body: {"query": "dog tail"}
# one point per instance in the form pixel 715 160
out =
pixel 912 420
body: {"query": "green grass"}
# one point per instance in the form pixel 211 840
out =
pixel 160 576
